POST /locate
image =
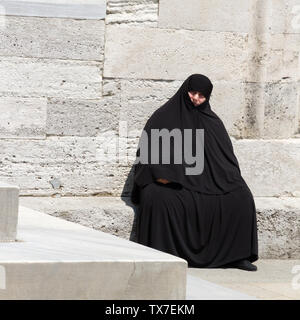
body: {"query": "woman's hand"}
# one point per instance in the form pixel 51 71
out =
pixel 164 181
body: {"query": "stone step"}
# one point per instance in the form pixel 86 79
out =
pixel 9 201
pixel 278 219
pixel 57 259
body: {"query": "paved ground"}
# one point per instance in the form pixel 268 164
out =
pixel 274 280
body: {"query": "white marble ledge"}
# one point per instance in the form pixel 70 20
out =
pixel 41 237
pixel 57 259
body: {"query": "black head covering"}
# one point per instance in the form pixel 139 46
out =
pixel 221 172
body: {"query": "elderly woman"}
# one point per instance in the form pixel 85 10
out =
pixel 205 215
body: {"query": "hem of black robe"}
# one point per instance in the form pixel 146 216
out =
pixel 252 258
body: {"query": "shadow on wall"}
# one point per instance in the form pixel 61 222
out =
pixel 126 197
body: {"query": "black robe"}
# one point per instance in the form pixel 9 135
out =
pixel 209 218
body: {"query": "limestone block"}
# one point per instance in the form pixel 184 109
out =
pixel 97 165
pixel 281 114
pixel 55 38
pixel 88 9
pixel 279 227
pixel 273 57
pixel 9 206
pixel 137 52
pixel 261 20
pixel 285 16
pixel 79 163
pixel 229 101
pixel 213 15
pixel 281 65
pixel 70 117
pixel 217 15
pixel 132 12
pixel 37 77
pixel 271 110
pixel 270 167
pixel 23 117
pixel 285 41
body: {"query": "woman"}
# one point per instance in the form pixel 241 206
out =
pixel 209 217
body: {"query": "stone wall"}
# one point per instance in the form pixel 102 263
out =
pixel 72 72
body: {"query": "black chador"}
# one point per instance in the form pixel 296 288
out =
pixel 202 212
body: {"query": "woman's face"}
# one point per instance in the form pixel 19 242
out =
pixel 196 97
